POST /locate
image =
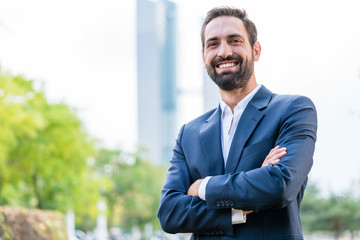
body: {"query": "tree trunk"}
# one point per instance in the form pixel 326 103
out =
pixel 37 194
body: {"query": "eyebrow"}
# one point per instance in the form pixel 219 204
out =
pixel 235 36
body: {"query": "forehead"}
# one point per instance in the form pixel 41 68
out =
pixel 224 26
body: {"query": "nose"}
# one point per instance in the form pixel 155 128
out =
pixel 224 50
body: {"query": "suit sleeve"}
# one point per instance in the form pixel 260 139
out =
pixel 179 212
pixel 277 185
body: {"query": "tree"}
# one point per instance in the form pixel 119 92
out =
pixel 312 207
pixel 53 162
pixel 45 158
pixel 44 149
pixel 17 121
pixel 336 213
pixel 131 187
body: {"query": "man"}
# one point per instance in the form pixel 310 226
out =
pixel 229 178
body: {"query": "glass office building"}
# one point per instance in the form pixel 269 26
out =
pixel 156 77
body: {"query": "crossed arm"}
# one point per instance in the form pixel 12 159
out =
pixel 272 158
pixel 255 190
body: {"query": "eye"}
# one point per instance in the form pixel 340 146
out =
pixel 235 40
pixel 212 44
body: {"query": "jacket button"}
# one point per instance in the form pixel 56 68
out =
pixel 231 203
pixel 227 203
pixel 218 204
pixel 222 203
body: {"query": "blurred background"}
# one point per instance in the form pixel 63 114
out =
pixel 93 93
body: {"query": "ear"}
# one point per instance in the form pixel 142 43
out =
pixel 257 51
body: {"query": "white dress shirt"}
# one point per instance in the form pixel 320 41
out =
pixel 229 122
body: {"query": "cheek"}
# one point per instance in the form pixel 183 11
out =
pixel 208 58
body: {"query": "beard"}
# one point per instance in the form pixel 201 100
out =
pixel 229 80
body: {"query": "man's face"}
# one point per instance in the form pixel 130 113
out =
pixel 227 54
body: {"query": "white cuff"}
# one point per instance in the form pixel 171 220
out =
pixel 202 188
pixel 237 216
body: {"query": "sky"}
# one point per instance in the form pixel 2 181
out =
pixel 83 53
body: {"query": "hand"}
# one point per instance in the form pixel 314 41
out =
pixel 194 188
pixel 274 156
pixel 246 212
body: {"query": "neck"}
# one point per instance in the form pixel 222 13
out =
pixel 233 97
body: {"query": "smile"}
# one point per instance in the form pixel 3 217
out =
pixel 226 65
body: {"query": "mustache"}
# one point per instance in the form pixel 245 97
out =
pixel 221 59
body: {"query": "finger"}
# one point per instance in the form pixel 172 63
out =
pixel 278 155
pixel 274 156
pixel 273 149
pixel 274 152
pixel 273 162
pixel 274 159
pixel 247 212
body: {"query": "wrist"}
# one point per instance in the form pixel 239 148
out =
pixel 202 188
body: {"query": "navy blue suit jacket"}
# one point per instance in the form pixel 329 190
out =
pixel 273 192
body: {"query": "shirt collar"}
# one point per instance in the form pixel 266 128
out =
pixel 225 109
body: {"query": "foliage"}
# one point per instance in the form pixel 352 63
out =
pixel 17 120
pixel 336 213
pixel 43 149
pixel 131 187
pixel 47 161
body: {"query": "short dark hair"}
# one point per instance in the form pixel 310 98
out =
pixel 232 12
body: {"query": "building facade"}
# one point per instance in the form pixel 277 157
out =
pixel 156 78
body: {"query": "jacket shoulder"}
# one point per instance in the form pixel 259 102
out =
pixel 202 118
pixel 287 100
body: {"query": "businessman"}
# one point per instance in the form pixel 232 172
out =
pixel 240 170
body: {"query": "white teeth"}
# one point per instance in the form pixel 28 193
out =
pixel 226 65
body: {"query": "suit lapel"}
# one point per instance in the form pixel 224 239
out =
pixel 247 124
pixel 210 136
